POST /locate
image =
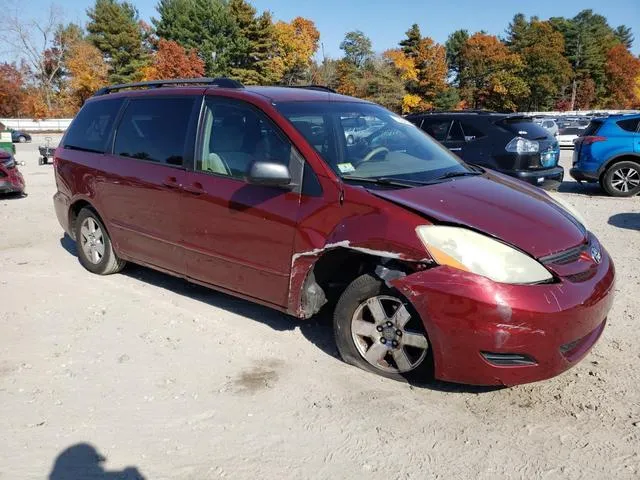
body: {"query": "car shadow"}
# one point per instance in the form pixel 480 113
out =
pixel 590 189
pixel 317 330
pixel 630 221
pixel 12 196
pixel 82 461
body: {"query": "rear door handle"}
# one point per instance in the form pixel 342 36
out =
pixel 457 149
pixel 195 188
pixel 171 182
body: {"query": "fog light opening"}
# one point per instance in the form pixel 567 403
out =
pixel 508 359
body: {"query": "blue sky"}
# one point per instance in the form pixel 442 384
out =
pixel 385 21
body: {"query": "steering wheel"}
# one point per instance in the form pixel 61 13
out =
pixel 374 152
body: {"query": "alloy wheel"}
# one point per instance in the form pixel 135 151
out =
pixel 625 179
pixel 92 240
pixel 379 328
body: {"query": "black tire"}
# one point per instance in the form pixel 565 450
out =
pixel 109 262
pixel 611 182
pixel 355 295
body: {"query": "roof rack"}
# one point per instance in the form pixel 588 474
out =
pixel 221 82
pixel 322 88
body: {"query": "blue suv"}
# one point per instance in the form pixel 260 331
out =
pixel 608 152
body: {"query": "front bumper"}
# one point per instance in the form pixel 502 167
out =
pixel 466 315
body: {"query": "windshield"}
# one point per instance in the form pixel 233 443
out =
pixel 360 140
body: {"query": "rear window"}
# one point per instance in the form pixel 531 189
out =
pixel 630 125
pixel 524 127
pixel 91 128
pixel 592 129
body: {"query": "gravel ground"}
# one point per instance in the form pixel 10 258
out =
pixel 177 381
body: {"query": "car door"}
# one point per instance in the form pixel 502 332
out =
pixel 142 178
pixel 237 235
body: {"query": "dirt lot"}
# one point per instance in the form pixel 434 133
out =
pixel 181 382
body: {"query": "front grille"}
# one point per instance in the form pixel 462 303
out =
pixel 565 257
pixel 508 359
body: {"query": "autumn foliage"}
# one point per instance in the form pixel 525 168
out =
pixel 622 70
pixel 171 60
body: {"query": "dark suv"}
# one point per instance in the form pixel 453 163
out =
pixel 511 144
pixel 427 264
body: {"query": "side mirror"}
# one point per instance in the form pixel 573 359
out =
pixel 269 174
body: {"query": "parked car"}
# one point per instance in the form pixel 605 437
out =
pixel 567 136
pixel 11 180
pixel 355 129
pixel 548 124
pixel 510 144
pixel 608 152
pixel 429 265
pixel 18 136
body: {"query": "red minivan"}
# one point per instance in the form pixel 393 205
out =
pixel 432 266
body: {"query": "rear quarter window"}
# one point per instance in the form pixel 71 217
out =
pixel 592 129
pixel 630 125
pixel 91 129
pixel 438 129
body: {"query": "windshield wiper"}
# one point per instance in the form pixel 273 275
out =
pixel 458 174
pixel 392 182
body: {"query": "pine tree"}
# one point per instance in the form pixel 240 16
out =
pixel 410 44
pixel 204 25
pixel 453 45
pixel 253 44
pixel 113 28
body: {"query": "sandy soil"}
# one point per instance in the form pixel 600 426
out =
pixel 181 382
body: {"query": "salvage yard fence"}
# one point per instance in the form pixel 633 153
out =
pixel 52 125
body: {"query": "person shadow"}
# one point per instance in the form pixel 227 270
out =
pixel 83 462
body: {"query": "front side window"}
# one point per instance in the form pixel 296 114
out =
pixel 235 135
pixel 155 129
pixel 394 148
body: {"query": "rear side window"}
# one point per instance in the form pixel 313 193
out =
pixel 630 125
pixel 592 129
pixel 524 127
pixel 155 129
pixel 91 128
pixel 438 129
pixel 471 132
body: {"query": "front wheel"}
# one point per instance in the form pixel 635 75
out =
pixel 622 179
pixel 22 139
pixel 95 251
pixel 378 331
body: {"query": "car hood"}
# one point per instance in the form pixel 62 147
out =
pixel 518 214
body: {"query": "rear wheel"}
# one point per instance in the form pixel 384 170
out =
pixel 22 139
pixel 377 330
pixel 95 251
pixel 622 179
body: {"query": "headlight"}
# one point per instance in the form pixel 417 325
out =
pixel 472 252
pixel 9 162
pixel 522 145
pixel 571 210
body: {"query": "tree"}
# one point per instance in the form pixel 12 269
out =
pixel 357 48
pixel 204 25
pixel 546 69
pixel 295 45
pixel 114 29
pixel 491 77
pixel 34 40
pixel 453 46
pixel 624 35
pixel 11 90
pixel 587 38
pixel 87 70
pixel 410 44
pixel 253 46
pixel 622 69
pixel 516 30
pixel 171 60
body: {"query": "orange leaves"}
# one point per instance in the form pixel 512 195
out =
pixel 406 66
pixel 87 69
pixel 622 69
pixel 171 60
pixel 295 43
